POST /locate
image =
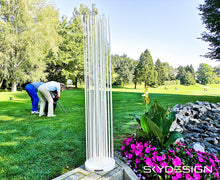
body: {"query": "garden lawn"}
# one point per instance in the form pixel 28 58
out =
pixel 33 147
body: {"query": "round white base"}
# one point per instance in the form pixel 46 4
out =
pixel 103 164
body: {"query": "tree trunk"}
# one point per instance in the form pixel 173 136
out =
pixel 76 82
pixel 135 85
pixel 14 86
pixel 145 84
pixel 123 84
pixel 1 82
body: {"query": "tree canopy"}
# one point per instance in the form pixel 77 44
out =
pixel 28 31
pixel 210 12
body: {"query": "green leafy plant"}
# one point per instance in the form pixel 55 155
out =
pixel 156 123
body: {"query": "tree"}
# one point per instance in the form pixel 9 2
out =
pixel 145 68
pixel 181 74
pixel 69 64
pixel 28 31
pixel 169 71
pixel 160 72
pixel 205 74
pixel 124 68
pixel 189 79
pixel 210 12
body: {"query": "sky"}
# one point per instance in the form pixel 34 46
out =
pixel 169 29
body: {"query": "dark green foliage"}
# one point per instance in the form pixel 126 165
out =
pixel 169 71
pixel 124 68
pixel 205 74
pixel 186 75
pixel 210 12
pixel 161 75
pixel 189 79
pixel 146 72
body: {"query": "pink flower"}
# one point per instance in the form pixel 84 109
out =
pixel 122 148
pixel 137 153
pixel 132 146
pixel 171 151
pixel 130 156
pixel 149 162
pixel 154 153
pixel 146 144
pixel 217 175
pixel 126 153
pixel 174 178
pixel 188 177
pixel 159 158
pixel 163 157
pixel 153 148
pixel 137 161
pixel 177 162
pixel 196 175
pixel 147 150
pixel 178 175
pixel 164 164
pixel 200 159
pixel 177 149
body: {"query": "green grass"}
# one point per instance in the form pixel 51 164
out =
pixel 33 147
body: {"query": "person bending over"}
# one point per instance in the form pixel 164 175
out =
pixel 32 90
pixel 45 96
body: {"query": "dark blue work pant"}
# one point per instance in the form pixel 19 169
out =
pixel 33 94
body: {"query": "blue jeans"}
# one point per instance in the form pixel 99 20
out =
pixel 33 94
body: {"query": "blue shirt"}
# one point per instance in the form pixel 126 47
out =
pixel 52 86
pixel 37 85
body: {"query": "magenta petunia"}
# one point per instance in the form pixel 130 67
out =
pixel 178 175
pixel 154 153
pixel 174 178
pixel 147 150
pixel 159 158
pixel 153 148
pixel 122 148
pixel 164 164
pixel 132 146
pixel 200 159
pixel 196 176
pixel 137 153
pixel 137 161
pixel 177 162
pixel 130 156
pixel 171 151
pixel 146 144
pixel 163 157
pixel 177 149
pixel 126 153
pixel 189 177
pixel 216 175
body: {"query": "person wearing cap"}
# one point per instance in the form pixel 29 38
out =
pixel 45 96
pixel 32 90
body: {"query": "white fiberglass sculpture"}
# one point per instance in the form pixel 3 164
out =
pixel 98 94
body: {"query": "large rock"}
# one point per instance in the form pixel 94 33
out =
pixel 200 124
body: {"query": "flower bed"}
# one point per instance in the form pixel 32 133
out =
pixel 150 161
